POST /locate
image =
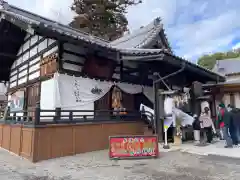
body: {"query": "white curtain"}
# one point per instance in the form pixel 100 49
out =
pixel 78 91
pixel 149 93
pixel 130 88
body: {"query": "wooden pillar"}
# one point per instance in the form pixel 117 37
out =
pixel 161 115
pixel 37 114
pixel 158 110
pixel 59 62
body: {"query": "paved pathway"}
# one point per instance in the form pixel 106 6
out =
pixel 96 166
pixel 216 149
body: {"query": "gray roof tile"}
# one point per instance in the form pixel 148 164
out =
pixel 227 66
pixel 141 37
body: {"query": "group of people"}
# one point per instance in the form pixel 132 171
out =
pixel 228 121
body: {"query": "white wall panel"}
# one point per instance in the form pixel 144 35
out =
pixel 13 84
pixel 33 40
pixel 25 56
pixel 237 99
pixel 55 48
pixel 34 67
pixel 13 72
pixel 226 99
pixel 23 73
pixel 26 46
pixel 71 57
pixel 27 36
pixel 34 75
pixel 33 51
pixel 22 80
pixel 51 41
pixel 23 67
pixel 72 67
pixel 14 78
pixel 42 45
pixel 47 100
pixel 29 54
pixel 74 48
pixel 37 59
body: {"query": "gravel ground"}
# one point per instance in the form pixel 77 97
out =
pixel 97 166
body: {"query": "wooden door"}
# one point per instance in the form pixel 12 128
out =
pixel 103 104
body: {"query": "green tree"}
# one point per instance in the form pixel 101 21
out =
pixel 102 18
pixel 208 61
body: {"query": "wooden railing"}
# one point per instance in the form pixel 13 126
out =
pixel 38 116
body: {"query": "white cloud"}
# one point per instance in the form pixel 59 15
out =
pixel 58 10
pixel 236 46
pixel 194 27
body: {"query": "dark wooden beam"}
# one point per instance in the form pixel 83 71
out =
pixel 8 55
pixel 121 69
pixel 14 39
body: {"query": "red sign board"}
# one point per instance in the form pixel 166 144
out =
pixel 133 146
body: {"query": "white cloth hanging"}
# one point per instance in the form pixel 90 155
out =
pixel 130 88
pixel 168 105
pixel 78 91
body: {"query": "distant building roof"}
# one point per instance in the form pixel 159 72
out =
pixel 227 66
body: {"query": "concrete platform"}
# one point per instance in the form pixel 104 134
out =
pixel 215 149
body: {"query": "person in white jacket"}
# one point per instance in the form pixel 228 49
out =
pixel 206 124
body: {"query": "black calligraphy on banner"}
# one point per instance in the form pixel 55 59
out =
pixel 77 91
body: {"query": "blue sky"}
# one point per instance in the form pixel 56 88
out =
pixel 193 27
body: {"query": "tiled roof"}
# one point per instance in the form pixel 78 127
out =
pixel 141 37
pixel 227 66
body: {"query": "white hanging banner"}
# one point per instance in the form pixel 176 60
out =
pixel 130 88
pixel 78 91
pixel 168 106
pixel 148 92
pixel 183 117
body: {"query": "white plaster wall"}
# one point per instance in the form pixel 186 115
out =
pixel 29 54
pixel 232 78
pixel 47 100
pixel 226 99
pixel 237 100
pixel 3 89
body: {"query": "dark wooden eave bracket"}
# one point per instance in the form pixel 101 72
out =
pixel 18 22
pixel 8 55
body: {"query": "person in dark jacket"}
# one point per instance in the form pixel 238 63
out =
pixel 232 127
pixel 235 125
pixel 196 129
pixel 225 118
